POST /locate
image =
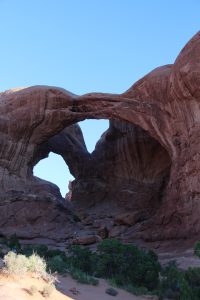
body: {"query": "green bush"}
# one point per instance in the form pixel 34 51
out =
pixel 3 240
pixel 171 277
pixel 124 264
pixel 1 253
pixel 197 249
pixel 55 252
pixel 13 242
pixel 57 264
pixel 133 289
pixel 82 277
pixel 41 250
pixel 82 259
pixel 56 259
pixel 136 290
pixel 176 284
pixel 127 264
pixel 192 276
pixel 27 250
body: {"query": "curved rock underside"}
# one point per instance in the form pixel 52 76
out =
pixel 142 179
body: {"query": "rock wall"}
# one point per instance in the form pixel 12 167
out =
pixel 128 169
pixel 157 157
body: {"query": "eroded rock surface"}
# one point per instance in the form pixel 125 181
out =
pixel 147 163
pixel 125 178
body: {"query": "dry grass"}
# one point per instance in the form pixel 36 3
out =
pixel 20 265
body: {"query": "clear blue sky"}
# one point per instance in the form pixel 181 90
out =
pixel 89 45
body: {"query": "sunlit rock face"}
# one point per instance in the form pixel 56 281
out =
pixel 143 177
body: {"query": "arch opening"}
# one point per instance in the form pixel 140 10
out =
pixel 126 173
pixel 92 131
pixel 53 156
pixel 55 170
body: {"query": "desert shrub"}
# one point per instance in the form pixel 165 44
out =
pixel 57 264
pixel 186 292
pixel 37 264
pixel 13 242
pixel 111 256
pixel 136 290
pixel 27 250
pixel 1 253
pixel 15 264
pixel 56 259
pixel 47 290
pixel 176 284
pixel 127 264
pixel 111 292
pixel 41 250
pixel 170 283
pixel 192 276
pixel 55 252
pixel 82 259
pixel 19 264
pixel 3 240
pixel 171 276
pixel 197 249
pixel 133 289
pixel 82 277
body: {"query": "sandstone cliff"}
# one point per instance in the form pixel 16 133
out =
pixel 146 163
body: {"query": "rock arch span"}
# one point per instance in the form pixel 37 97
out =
pixel 165 104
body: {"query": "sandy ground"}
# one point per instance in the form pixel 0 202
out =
pixel 88 292
pixel 184 259
pixel 18 289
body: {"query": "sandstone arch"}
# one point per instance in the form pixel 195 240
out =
pixel 165 104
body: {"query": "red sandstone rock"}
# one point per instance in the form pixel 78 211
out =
pixel 164 104
pixel 84 240
pixel 117 231
pixel 129 218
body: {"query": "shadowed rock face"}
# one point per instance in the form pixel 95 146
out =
pixel 128 170
pixel 130 167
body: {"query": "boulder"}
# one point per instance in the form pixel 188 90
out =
pixel 84 240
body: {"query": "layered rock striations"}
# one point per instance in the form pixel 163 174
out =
pixel 145 166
